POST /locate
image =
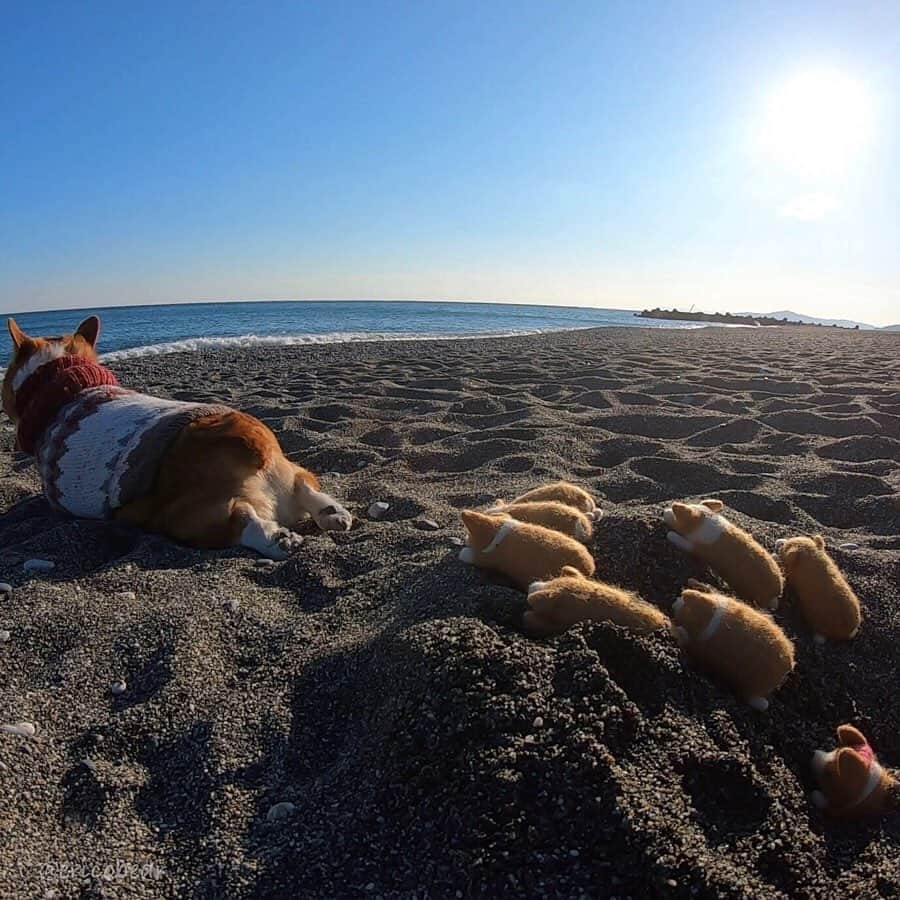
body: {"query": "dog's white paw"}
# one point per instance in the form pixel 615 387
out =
pixel 334 518
pixel 282 543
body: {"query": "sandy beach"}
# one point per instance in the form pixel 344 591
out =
pixel 367 719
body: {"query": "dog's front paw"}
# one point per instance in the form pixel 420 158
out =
pixel 334 518
pixel 282 544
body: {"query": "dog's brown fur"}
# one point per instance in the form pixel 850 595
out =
pixel 528 553
pixel 562 492
pixel 843 777
pixel 748 650
pixel 221 473
pixel 824 598
pixel 749 568
pixel 557 605
pixel 550 514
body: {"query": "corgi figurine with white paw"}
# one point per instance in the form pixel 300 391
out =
pixel 562 492
pixel 740 644
pixel 557 605
pixel 825 599
pixel 522 551
pixel 749 569
pixel 852 783
pixel 551 514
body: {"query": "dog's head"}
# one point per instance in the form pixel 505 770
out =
pixel 30 353
pixel 851 782
pixel 793 550
pixel 686 518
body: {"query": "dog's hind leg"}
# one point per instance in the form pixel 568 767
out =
pixel 328 514
pixel 264 536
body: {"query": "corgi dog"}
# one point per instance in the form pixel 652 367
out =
pixel 852 783
pixel 740 644
pixel 551 514
pixel 749 569
pixel 203 475
pixel 524 552
pixel 557 605
pixel 561 492
pixel 825 599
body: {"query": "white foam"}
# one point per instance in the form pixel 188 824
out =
pixel 291 340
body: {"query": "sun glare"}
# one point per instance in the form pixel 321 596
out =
pixel 817 122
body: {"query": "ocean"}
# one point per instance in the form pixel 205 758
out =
pixel 138 330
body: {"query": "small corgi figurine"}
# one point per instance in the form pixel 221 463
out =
pixel 550 514
pixel 749 569
pixel 524 552
pixel 851 781
pixel 825 599
pixel 563 492
pixel 742 645
pixel 557 605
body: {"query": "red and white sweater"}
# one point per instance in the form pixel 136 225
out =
pixel 98 445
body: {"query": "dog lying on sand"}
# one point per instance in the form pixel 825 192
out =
pixel 204 475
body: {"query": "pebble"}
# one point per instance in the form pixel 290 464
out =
pixel 378 509
pixel 427 524
pixel 265 564
pixel 457 542
pixel 23 729
pixel 538 722
pixel 4 637
pixel 848 546
pixel 280 811
pixel 126 596
pixel 232 604
pixel 5 590
pixel 118 688
pixel 38 565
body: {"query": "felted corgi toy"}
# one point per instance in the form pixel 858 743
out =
pixel 749 569
pixel 202 474
pixel 852 783
pixel 550 514
pixel 557 605
pixel 824 598
pixel 562 492
pixel 522 551
pixel 740 644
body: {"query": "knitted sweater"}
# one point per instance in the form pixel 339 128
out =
pixel 98 445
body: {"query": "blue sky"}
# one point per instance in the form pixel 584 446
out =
pixel 602 154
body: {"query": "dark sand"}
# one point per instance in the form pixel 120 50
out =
pixel 385 690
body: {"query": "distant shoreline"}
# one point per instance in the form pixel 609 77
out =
pixel 674 315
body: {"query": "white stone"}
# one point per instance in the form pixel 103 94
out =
pixel 23 729
pixel 4 637
pixel 126 596
pixel 5 590
pixel 232 604
pixel 38 565
pixel 849 545
pixel 118 688
pixel 378 509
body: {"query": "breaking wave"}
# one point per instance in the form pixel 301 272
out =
pixel 289 340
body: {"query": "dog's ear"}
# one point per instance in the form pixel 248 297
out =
pixel 715 506
pixel 848 736
pixel 850 764
pixel 89 329
pixel 819 541
pixel 18 336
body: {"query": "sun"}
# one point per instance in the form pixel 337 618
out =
pixel 817 122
